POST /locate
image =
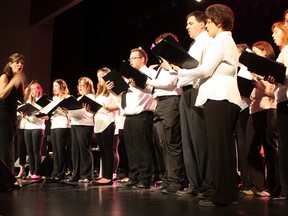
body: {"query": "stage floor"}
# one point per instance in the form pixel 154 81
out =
pixel 85 199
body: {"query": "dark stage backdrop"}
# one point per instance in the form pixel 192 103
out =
pixel 96 33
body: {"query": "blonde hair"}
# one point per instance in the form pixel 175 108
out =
pixel 88 82
pixel 102 88
pixel 63 86
pixel 39 93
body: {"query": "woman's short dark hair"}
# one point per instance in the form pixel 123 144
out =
pixel 221 14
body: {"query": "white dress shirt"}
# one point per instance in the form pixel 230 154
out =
pixel 139 100
pixel 197 51
pixel 165 84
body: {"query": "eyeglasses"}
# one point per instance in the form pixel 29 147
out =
pixel 133 58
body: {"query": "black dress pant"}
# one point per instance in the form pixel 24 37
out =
pixel 138 135
pixel 264 123
pixel 82 157
pixel 22 147
pixel 34 140
pixel 282 122
pixel 255 160
pixel 169 134
pixel 243 165
pixel 105 141
pixel 7 137
pixel 59 140
pixel 123 163
pixel 221 118
pixel 194 141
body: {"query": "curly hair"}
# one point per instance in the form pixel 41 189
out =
pixel 221 15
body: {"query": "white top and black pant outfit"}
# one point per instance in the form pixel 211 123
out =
pixel 34 136
pixel 60 139
pixel 82 124
pixel 167 126
pixel 220 97
pixel 138 133
pixel 104 128
pixel 193 130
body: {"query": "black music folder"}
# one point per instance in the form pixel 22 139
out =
pixel 70 103
pixel 263 66
pixel 27 108
pixel 119 83
pixel 170 50
pixel 94 106
pixel 44 100
pixel 130 72
pixel 245 86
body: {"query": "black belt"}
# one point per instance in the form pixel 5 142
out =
pixel 149 113
pixel 165 97
pixel 185 88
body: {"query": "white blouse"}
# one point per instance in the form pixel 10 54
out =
pixel 220 66
pixel 281 91
pixel 81 116
pixel 32 122
pixel 59 118
pixel 103 118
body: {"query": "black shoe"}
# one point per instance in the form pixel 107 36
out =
pixel 127 184
pixel 172 188
pixel 141 185
pixel 158 189
pixel 206 203
pixel 56 179
pixel 282 196
pixel 187 193
pixel 169 190
pixel 72 180
pixel 200 196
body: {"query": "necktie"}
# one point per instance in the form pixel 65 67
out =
pixel 158 72
pixel 123 100
pixel 192 43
